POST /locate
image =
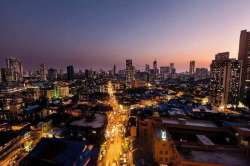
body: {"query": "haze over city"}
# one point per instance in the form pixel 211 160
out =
pixel 98 34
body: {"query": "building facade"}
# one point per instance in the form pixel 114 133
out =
pixel 147 67
pixel 172 69
pixel 192 67
pixel 43 72
pixel 52 74
pixel 225 80
pixel 129 73
pixel 164 72
pixel 244 56
pixel 15 69
pixel 201 73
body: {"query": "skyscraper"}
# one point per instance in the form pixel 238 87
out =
pixel 244 56
pixel 201 73
pixel 164 72
pixel 43 72
pixel 225 79
pixel 155 68
pixel 155 65
pixel 192 67
pixel 114 70
pixel 172 69
pixel 147 68
pixel 129 73
pixel 70 72
pixel 52 74
pixel 15 69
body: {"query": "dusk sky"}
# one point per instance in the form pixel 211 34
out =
pixel 100 33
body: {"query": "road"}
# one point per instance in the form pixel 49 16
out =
pixel 17 152
pixel 114 133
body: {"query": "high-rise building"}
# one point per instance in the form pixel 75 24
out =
pixel 129 63
pixel 155 65
pixel 129 73
pixel 164 71
pixel 225 79
pixel 172 69
pixel 3 75
pixel 114 70
pixel 15 69
pixel 201 73
pixel 147 68
pixel 192 67
pixel 244 56
pixel 52 74
pixel 70 72
pixel 43 72
pixel 223 56
pixel 155 68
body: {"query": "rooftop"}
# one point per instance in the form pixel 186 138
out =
pixel 226 157
pixel 97 122
pixel 59 152
pixel 200 137
pixel 195 123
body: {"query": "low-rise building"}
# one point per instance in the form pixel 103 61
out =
pixel 181 142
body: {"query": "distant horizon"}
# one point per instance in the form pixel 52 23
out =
pixel 97 35
pixel 141 68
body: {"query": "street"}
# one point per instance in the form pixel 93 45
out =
pixel 17 151
pixel 113 148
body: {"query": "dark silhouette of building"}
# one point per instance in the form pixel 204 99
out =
pixel 70 72
pixel 52 74
pixel 114 70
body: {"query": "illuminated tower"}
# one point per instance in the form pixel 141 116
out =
pixel 129 73
pixel 244 56
pixel 225 79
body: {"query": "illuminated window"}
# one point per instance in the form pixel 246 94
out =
pixel 163 135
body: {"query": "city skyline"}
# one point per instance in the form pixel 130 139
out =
pixel 98 35
pixel 124 83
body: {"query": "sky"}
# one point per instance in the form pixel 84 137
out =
pixel 100 33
